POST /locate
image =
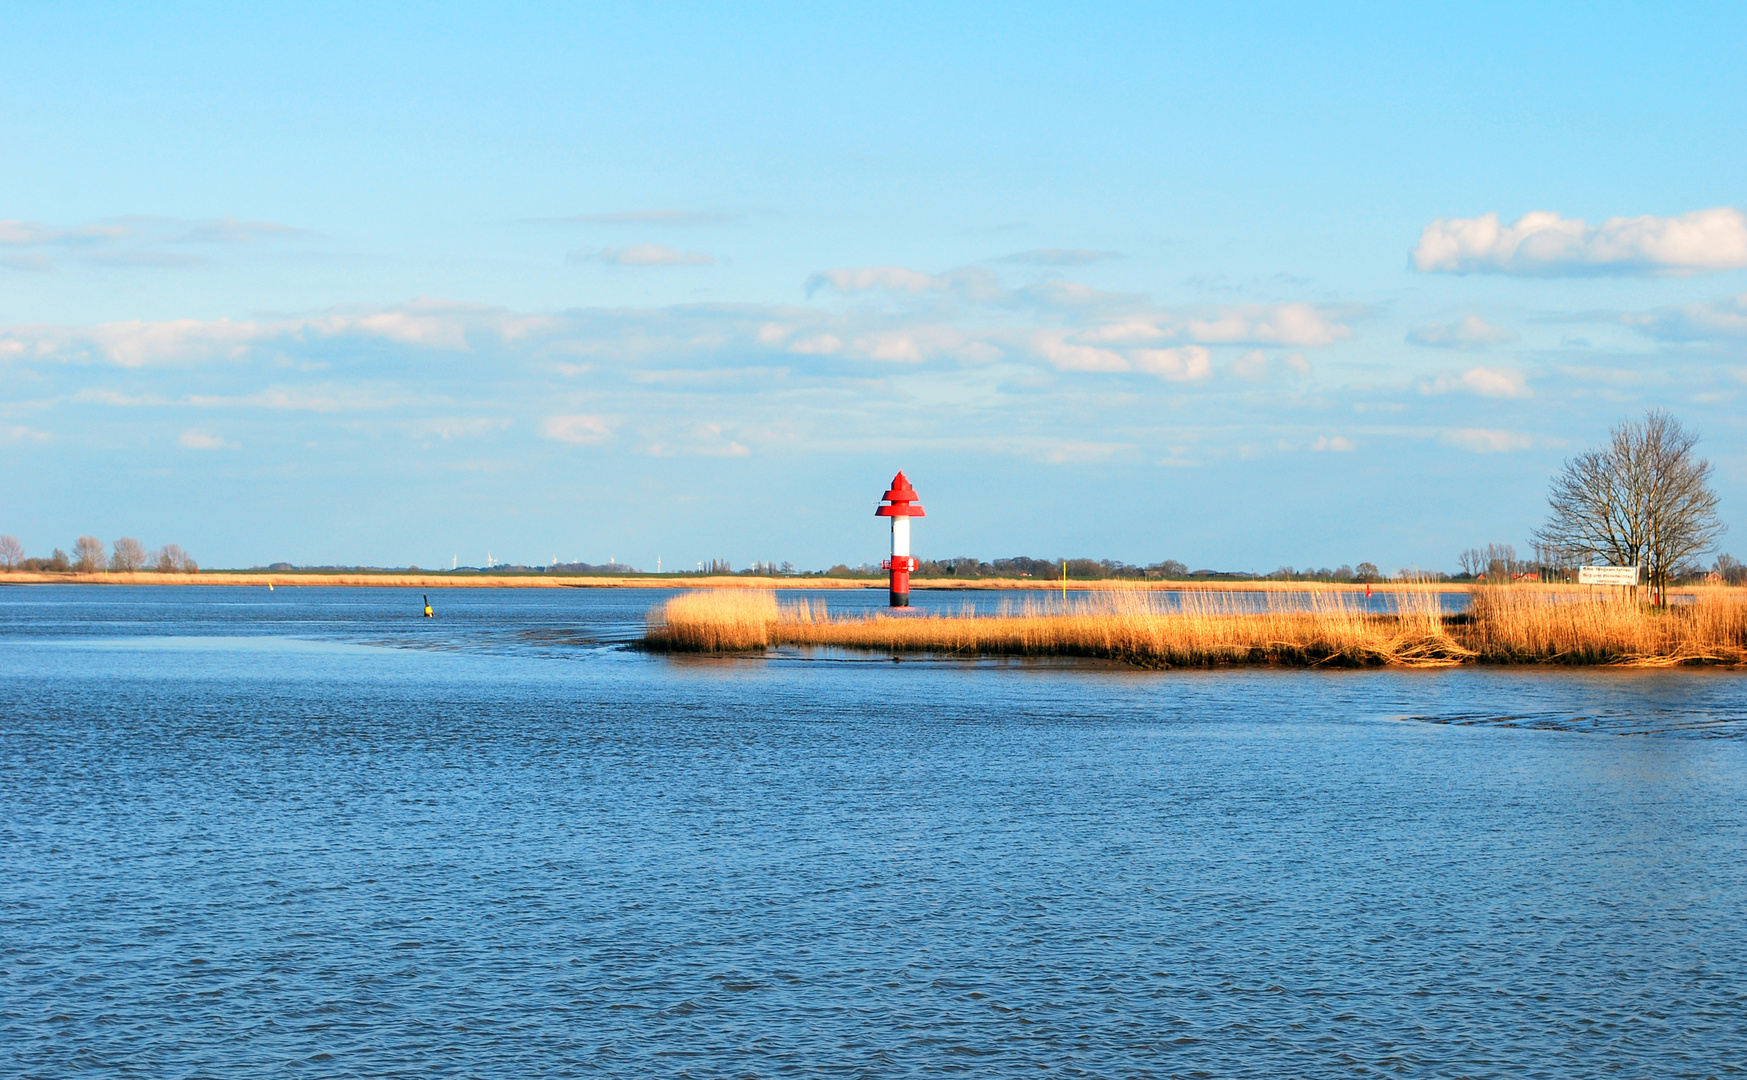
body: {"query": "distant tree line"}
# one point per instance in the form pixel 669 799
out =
pixel 1019 566
pixel 1498 563
pixel 1365 572
pixel 89 557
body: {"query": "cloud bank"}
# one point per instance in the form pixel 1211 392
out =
pixel 643 255
pixel 1710 321
pixel 1484 381
pixel 1543 244
pixel 137 241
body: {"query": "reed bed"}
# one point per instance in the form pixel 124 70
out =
pixel 1505 625
pixel 1512 624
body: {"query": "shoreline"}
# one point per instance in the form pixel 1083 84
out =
pixel 735 581
pixel 1505 625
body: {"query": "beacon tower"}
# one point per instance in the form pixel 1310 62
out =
pixel 902 507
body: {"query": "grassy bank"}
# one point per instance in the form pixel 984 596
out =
pixel 1505 625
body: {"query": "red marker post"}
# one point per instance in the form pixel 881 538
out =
pixel 902 507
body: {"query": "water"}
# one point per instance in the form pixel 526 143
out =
pixel 309 833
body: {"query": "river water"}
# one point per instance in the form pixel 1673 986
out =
pixel 309 833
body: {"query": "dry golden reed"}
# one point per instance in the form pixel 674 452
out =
pixel 1506 624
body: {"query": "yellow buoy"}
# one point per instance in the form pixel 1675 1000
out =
pixel 429 614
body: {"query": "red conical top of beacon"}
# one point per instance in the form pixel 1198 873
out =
pixel 903 500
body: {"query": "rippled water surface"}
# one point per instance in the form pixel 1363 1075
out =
pixel 309 833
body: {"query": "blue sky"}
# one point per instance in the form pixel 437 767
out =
pixel 1239 287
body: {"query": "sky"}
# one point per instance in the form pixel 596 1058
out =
pixel 1242 286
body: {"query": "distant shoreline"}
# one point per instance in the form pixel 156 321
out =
pixel 724 581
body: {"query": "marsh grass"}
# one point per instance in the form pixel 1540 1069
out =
pixel 1509 623
pixel 1505 625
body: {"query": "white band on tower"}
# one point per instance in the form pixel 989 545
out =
pixel 900 536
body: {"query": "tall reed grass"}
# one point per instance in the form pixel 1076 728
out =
pixel 1511 623
pixel 1506 624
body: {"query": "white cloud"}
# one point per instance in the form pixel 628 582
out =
pixel 1266 324
pixel 1129 329
pixel 1257 366
pixel 1182 364
pixel 316 399
pixel 402 326
pixel 643 255
pixel 33 262
pixel 913 345
pixel 1496 382
pixel 1251 366
pixel 228 230
pixel 582 429
pixel 817 345
pixel 454 427
pixel 1054 347
pixel 970 283
pixel 1710 321
pixel 698 440
pixel 135 342
pixel 1545 244
pixel 138 241
pixel 11 434
pixel 1471 332
pixel 15 233
pixel 867 278
pixel 1179 364
pixel 102 396
pixel 163 260
pixel 1338 444
pixel 904 347
pixel 1071 296
pixel 1486 440
pixel 196 439
pixel 1485 381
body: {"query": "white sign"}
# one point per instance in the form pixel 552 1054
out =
pixel 1607 575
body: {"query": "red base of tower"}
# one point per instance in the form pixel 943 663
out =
pixel 900 568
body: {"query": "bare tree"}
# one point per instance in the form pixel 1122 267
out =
pixel 1730 569
pixel 1642 500
pixel 1554 561
pixel 171 559
pixel 1494 562
pixel 129 555
pixel 11 552
pixel 1472 563
pixel 1501 562
pixel 88 555
pixel 1367 572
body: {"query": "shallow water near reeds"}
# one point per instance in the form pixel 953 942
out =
pixel 308 832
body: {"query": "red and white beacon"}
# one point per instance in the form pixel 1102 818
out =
pixel 903 507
